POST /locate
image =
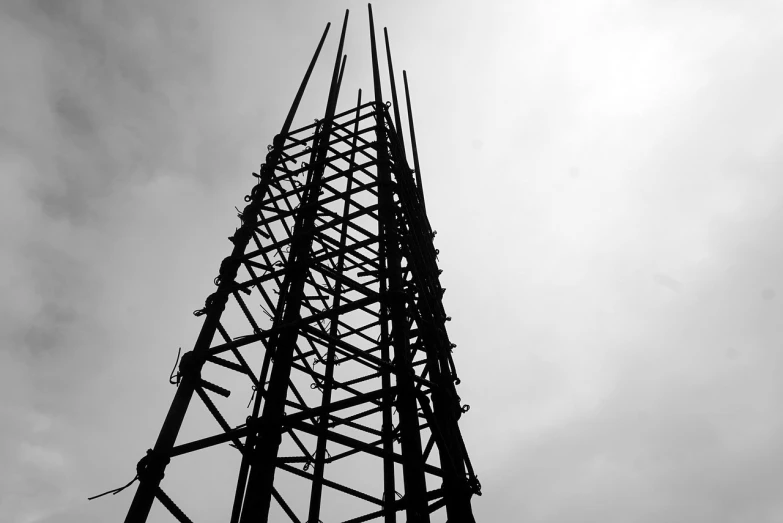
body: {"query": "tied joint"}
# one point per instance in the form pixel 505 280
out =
pixel 228 268
pixel 215 301
pixel 151 467
pixel 190 367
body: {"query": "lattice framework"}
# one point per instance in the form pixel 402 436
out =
pixel 329 309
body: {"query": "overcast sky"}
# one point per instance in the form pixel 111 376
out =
pixel 604 176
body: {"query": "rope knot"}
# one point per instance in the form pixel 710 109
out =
pixel 474 484
pixel 209 304
pixel 229 267
pixel 151 466
pixel 190 365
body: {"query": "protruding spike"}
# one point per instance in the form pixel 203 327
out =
pixel 414 480
pixel 146 493
pixel 413 138
pixel 376 76
pixel 397 120
pixel 334 89
pixel 342 70
pixel 292 112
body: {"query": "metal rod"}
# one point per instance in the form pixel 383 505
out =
pixel 413 141
pixel 292 112
pixel 412 468
pixel 396 106
pixel 342 71
pixel 323 422
pixel 156 466
pixel 244 468
pixel 337 76
pixel 387 424
pixel 262 471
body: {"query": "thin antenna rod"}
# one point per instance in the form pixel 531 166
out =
pixel 413 139
pixel 342 70
pixel 146 493
pixel 376 76
pixel 397 121
pixel 290 118
pixel 334 89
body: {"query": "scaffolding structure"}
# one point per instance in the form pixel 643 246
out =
pixel 329 309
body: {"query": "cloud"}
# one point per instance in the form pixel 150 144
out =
pixel 93 109
pixel 107 83
pixel 604 179
pixel 41 457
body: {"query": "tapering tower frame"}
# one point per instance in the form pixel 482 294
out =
pixel 343 267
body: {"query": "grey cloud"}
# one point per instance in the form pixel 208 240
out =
pixel 115 76
pixel 675 299
pixel 690 430
pixel 93 108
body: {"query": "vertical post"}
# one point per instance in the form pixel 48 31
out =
pixel 326 399
pixel 387 401
pixel 151 474
pixel 445 403
pixel 410 436
pixel 263 462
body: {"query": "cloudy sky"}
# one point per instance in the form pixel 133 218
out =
pixel 604 176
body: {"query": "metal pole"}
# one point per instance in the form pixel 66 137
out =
pixel 152 471
pixel 323 422
pixel 396 106
pixel 413 469
pixel 413 141
pixel 263 464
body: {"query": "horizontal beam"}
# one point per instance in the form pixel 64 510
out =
pixel 367 448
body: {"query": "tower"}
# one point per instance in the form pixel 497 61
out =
pixel 329 309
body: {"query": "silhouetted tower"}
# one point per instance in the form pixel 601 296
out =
pixel 329 308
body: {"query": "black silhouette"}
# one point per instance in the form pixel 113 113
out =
pixel 333 288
